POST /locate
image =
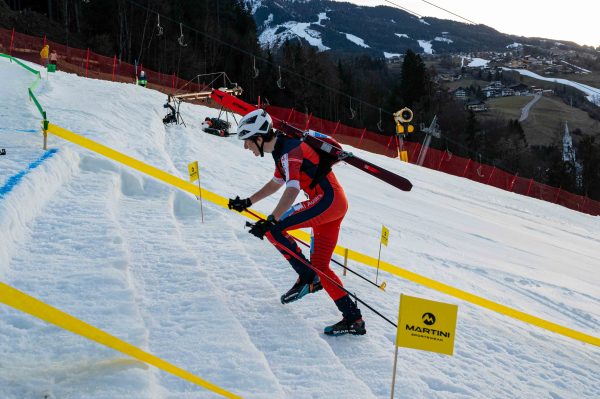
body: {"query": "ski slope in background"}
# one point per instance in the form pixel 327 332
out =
pixel 129 255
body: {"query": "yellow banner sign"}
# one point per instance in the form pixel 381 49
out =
pixel 385 235
pixel 193 169
pixel 426 325
pixel 354 255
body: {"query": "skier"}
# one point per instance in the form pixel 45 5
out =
pixel 53 57
pixel 142 81
pixel 296 166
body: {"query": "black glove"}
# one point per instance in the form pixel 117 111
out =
pixel 239 204
pixel 260 228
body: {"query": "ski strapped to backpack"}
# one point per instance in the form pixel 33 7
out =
pixel 328 148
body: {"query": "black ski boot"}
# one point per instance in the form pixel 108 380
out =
pixel 300 289
pixel 352 323
pixel 342 327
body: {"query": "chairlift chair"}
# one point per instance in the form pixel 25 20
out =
pixel 480 168
pixel 380 123
pixel 352 111
pixel 159 28
pixel 432 131
pixel 280 80
pixel 181 39
pixel 256 72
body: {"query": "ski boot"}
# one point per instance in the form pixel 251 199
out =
pixel 300 289
pixel 342 327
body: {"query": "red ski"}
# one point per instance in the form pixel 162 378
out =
pixel 323 143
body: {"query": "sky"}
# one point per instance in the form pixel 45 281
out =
pixel 576 20
pixel 134 256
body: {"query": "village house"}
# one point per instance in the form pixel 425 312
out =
pixel 476 106
pixel 460 93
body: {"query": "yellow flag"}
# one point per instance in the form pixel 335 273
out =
pixel 426 325
pixel 193 169
pixel 385 235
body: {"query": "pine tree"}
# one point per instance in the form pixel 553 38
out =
pixel 412 79
pixel 589 154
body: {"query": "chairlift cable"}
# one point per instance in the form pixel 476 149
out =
pixel 331 89
pixel 291 72
pixel 448 11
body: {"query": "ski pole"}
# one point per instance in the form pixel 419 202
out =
pixel 381 287
pixel 345 267
pixel 319 272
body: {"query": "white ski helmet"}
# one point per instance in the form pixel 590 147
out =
pixel 256 123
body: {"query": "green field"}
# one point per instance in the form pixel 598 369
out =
pixel 466 83
pixel 547 120
pixel 508 107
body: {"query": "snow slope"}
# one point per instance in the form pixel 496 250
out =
pixel 592 93
pixel 129 254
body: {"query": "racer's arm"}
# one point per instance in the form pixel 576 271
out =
pixel 285 202
pixel 268 189
pixel 291 163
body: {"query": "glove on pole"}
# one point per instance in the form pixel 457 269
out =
pixel 239 204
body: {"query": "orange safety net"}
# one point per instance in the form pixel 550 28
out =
pixel 443 161
pixel 87 63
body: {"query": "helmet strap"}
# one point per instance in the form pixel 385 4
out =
pixel 260 147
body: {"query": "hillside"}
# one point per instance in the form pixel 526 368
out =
pixel 379 31
pixel 130 255
pixel 546 122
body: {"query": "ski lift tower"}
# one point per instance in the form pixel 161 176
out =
pixel 432 130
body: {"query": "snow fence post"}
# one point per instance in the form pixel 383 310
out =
pixel 114 66
pixel 512 183
pixel 441 160
pixel 87 59
pixel 194 171
pixel 308 122
pixel 45 131
pixel 466 168
pixel 361 137
pixel 529 187
pixel 12 39
pixel 336 128
pixel 491 174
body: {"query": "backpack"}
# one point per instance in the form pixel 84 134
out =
pixel 323 145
